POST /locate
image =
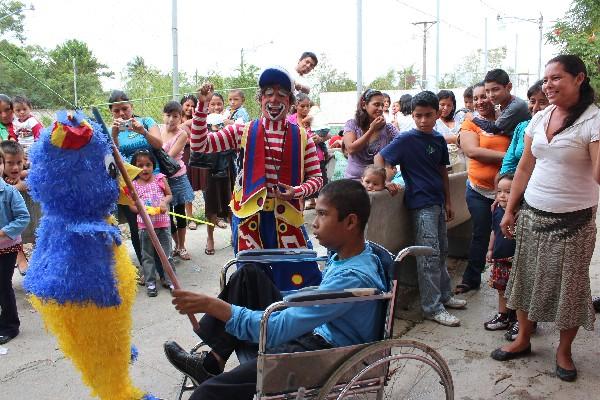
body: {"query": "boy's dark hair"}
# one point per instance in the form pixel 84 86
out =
pixel 425 99
pixel 348 197
pixel 506 175
pixel 117 96
pixel 5 99
pixel 239 93
pixel 22 100
pixel 187 97
pixel 11 147
pixel 311 55
pixel 448 94
pixel 405 104
pixel 535 88
pixel 219 95
pixel 497 75
pixel 173 106
pixel 468 92
pixel 142 153
pixel 1 157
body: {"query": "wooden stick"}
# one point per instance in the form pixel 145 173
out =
pixel 143 213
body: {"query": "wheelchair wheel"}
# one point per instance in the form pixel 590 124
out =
pixel 391 369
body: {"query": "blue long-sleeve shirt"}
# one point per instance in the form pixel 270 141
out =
pixel 14 216
pixel 339 324
pixel 515 150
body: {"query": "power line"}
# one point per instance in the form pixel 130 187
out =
pixel 37 80
pixel 441 20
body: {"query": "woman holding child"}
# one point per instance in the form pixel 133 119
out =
pixel 367 133
pixel 556 198
pixel 485 152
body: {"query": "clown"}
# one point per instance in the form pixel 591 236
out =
pixel 278 167
pixel 80 277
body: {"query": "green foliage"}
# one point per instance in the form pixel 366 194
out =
pixel 403 79
pixel 11 18
pixel 470 71
pixel 579 33
pixel 449 81
pixel 329 79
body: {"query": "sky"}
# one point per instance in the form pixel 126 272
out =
pixel 212 33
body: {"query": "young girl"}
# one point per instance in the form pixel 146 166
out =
pixel 174 140
pixel 387 101
pixel 13 220
pixel 153 191
pixel 373 178
pixel 7 131
pixel 500 253
pixel 26 126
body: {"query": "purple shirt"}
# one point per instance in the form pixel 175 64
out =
pixel 359 160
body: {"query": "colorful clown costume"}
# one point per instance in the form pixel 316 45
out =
pixel 271 152
pixel 80 277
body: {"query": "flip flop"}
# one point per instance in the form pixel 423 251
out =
pixel 221 224
pixel 192 225
pixel 209 252
pixel 184 255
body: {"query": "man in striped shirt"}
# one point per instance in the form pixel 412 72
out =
pixel 279 166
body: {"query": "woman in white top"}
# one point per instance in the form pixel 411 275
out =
pixel 558 177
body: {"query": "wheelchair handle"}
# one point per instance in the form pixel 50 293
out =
pixel 414 251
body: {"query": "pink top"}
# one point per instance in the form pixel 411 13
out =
pixel 151 194
pixel 179 157
pixel 294 120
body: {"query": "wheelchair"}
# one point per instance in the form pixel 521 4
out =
pixel 386 369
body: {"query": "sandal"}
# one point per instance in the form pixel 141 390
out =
pixel 192 225
pixel 462 288
pixel 221 224
pixel 184 255
pixel 209 252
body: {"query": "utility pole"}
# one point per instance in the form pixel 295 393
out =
pixel 175 71
pixel 426 26
pixel 541 28
pixel 359 81
pixel 241 61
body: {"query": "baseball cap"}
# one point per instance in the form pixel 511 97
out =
pixel 276 76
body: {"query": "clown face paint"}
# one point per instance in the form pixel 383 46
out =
pixel 275 103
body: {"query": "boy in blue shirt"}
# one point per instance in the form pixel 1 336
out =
pixel 423 156
pixel 343 209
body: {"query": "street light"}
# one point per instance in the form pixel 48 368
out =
pixel 250 49
pixel 540 22
pixel 31 8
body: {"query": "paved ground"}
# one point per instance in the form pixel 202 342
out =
pixel 34 368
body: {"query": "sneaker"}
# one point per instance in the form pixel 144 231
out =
pixel 513 331
pixel 596 303
pixel 455 303
pixel 444 318
pixel 151 290
pixel 499 322
pixel 192 365
pixel 171 288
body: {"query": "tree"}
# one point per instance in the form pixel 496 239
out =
pixel 384 82
pixel 578 33
pixel 407 78
pixel 60 74
pixel 470 71
pixel 449 81
pixel 11 18
pixel 329 79
pixel 403 79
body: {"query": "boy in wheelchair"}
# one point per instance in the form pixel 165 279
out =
pixel 230 321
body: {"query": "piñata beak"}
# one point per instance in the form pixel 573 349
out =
pixel 124 195
pixel 71 137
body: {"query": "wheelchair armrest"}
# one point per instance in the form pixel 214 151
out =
pixel 314 295
pixel 267 256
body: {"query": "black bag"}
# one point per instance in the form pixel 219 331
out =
pixel 166 164
pixel 203 160
pixel 218 164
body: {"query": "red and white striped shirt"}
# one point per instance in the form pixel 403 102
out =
pixel 230 137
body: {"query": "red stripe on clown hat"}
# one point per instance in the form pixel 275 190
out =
pixel 71 137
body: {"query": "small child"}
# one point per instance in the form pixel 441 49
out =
pixel 26 126
pixel 373 178
pixel 14 218
pixel 7 131
pixel 174 139
pixel 14 163
pixel 236 113
pixel 387 102
pixel 423 156
pixel 153 191
pixel 500 253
